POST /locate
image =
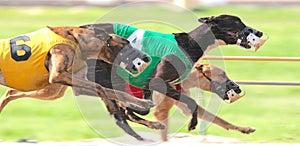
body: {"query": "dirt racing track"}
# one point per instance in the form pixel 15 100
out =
pixel 181 139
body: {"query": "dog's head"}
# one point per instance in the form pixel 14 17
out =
pixel 113 45
pixel 232 30
pixel 214 79
pixel 97 44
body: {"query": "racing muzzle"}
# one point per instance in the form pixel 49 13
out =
pixel 249 37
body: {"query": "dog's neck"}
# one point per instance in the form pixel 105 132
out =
pixel 195 80
pixel 90 46
pixel 198 42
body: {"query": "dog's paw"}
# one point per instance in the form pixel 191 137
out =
pixel 247 130
pixel 146 103
pixel 138 109
pixel 143 105
pixel 192 125
pixel 157 125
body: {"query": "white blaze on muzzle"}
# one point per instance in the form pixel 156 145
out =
pixel 233 96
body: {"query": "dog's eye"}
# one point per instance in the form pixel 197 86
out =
pixel 224 75
pixel 250 30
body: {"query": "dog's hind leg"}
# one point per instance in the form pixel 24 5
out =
pixel 58 65
pixel 50 92
pixel 60 62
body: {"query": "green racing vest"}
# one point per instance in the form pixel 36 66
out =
pixel 154 44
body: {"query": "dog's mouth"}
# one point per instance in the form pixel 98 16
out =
pixel 250 37
pixel 228 91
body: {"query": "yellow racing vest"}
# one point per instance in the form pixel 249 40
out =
pixel 22 59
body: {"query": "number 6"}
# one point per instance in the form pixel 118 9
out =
pixel 14 48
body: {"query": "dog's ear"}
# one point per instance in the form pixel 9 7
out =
pixel 88 26
pixel 202 67
pixel 101 34
pixel 182 37
pixel 119 39
pixel 206 19
pixel 199 67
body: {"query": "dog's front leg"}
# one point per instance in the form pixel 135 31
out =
pixel 207 116
pixel 169 69
pixel 157 84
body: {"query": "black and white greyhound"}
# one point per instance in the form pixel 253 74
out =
pixel 172 65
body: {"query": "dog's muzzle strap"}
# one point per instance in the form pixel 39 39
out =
pixel 129 58
pixel 251 38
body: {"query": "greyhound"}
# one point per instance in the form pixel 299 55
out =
pixel 42 64
pixel 205 77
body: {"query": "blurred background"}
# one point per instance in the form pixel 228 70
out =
pixel 182 3
pixel 273 110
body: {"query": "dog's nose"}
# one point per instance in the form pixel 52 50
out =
pixel 232 85
pixel 254 31
pixel 259 34
pixel 145 58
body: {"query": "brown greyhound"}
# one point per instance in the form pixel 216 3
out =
pixel 42 64
pixel 203 76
